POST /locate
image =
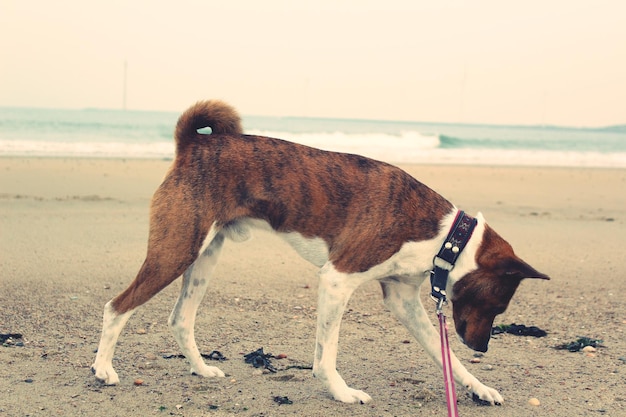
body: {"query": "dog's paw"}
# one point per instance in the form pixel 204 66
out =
pixel 208 371
pixel 484 395
pixel 105 375
pixel 351 396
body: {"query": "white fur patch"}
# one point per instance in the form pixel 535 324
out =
pixel 314 250
pixel 466 262
pixel 415 258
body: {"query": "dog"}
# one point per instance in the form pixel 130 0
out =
pixel 355 218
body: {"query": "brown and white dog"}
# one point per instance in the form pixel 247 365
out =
pixel 356 218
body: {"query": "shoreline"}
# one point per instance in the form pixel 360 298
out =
pixel 399 164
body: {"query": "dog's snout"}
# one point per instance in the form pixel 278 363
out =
pixel 478 347
pixel 482 347
pixel 479 344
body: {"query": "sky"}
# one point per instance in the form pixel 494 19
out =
pixel 557 62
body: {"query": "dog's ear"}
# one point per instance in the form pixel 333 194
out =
pixel 517 268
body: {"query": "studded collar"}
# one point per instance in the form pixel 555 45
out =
pixel 458 237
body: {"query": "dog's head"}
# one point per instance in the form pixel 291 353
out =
pixel 479 296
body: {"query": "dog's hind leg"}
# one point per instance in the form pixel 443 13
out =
pixel 402 298
pixel 152 278
pixel 183 317
pixel 335 289
pixel 112 325
pixel 174 243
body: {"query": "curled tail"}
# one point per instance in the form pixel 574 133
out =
pixel 219 116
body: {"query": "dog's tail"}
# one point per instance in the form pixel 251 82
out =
pixel 215 114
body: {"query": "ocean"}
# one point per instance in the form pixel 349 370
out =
pixel 148 134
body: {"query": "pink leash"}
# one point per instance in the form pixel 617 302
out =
pixel 458 237
pixel 448 378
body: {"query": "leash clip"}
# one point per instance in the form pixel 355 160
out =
pixel 438 281
pixel 440 303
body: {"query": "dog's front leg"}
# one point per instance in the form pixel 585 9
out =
pixel 403 300
pixel 335 290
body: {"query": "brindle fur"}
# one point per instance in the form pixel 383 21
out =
pixel 238 176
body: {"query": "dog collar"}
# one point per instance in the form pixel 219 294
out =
pixel 460 233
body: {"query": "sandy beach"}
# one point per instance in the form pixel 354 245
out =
pixel 73 234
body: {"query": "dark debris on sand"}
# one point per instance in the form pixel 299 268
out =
pixel 519 330
pixel 579 344
pixel 260 359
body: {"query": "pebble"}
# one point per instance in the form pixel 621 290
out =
pixel 138 382
pixel 281 356
pixel 151 357
pixel 141 331
pixel 534 402
pixel 487 368
pixel 589 349
pixel 475 360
